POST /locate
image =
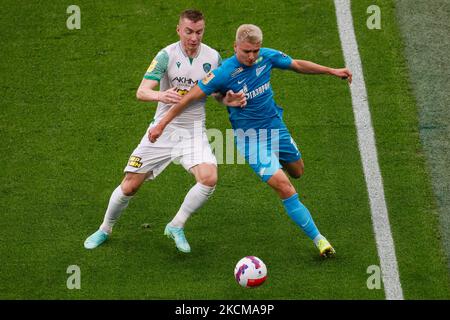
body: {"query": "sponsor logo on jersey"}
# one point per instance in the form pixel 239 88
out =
pixel 207 67
pixel 152 65
pixel 236 72
pixel 260 69
pixel 135 162
pixel 183 81
pixel 208 78
pixel 258 91
pixel 182 92
pixel 178 64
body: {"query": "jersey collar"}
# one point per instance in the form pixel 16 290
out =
pixel 184 52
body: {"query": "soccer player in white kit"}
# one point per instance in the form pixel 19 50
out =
pixel 176 69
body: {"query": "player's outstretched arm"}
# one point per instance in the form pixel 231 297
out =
pixel 194 94
pixel 146 92
pixel 308 67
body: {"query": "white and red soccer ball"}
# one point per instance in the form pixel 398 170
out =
pixel 250 272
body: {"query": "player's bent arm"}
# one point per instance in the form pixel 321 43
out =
pixel 194 94
pixel 146 91
pixel 231 99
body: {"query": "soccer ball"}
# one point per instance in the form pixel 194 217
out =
pixel 250 272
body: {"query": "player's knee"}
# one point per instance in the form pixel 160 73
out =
pixel 297 174
pixel 130 187
pixel 297 170
pixel 209 180
pixel 207 175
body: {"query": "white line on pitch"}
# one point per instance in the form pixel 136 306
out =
pixel 369 158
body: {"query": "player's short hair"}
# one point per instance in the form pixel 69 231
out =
pixel 249 33
pixel 192 15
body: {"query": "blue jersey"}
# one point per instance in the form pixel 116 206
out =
pixel 254 81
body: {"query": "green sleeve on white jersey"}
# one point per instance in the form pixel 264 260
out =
pixel 158 66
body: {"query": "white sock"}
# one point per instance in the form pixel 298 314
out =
pixel 193 201
pixel 117 203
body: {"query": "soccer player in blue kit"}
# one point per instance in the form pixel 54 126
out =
pixel 260 133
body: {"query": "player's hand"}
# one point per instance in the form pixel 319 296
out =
pixel 343 73
pixel 155 132
pixel 169 96
pixel 233 99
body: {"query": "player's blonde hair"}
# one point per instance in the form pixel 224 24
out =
pixel 249 33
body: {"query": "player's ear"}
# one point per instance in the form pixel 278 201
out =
pixel 234 47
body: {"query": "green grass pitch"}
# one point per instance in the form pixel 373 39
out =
pixel 69 120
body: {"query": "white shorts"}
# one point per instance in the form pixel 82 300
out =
pixel 181 146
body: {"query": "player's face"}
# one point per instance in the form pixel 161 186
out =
pixel 247 52
pixel 191 33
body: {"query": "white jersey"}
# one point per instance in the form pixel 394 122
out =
pixel 173 68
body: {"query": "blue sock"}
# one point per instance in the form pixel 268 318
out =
pixel 301 216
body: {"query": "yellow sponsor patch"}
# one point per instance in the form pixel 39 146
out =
pixel 208 78
pixel 135 162
pixel 182 92
pixel 152 65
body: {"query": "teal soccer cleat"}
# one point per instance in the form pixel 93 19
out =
pixel 177 234
pixel 96 239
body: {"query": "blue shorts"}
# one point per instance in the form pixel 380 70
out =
pixel 264 148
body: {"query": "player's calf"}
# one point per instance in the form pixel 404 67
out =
pixel 281 184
